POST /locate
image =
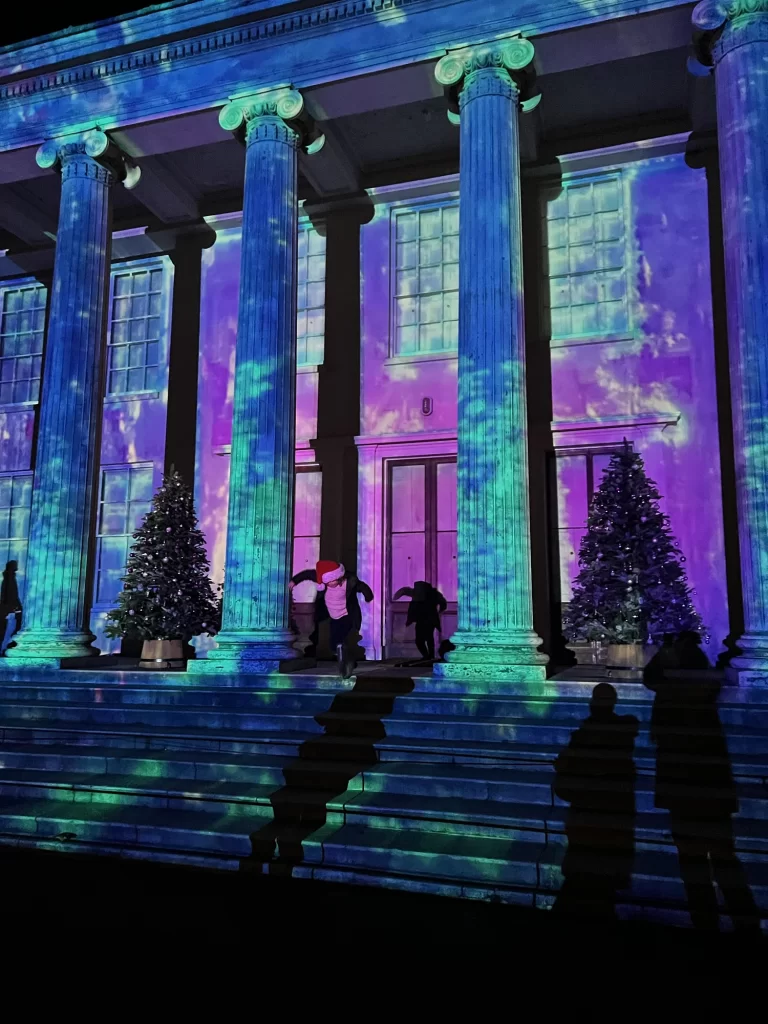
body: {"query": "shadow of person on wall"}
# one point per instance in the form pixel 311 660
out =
pixel 695 784
pixel 323 769
pixel 10 606
pixel 595 774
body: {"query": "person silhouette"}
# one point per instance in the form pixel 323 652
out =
pixel 695 784
pixel 424 611
pixel 595 774
pixel 10 605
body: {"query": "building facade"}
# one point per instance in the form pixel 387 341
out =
pixel 389 281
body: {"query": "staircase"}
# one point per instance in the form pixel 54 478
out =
pixel 381 782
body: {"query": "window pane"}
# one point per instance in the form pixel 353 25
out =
pixel 22 490
pixel 408 499
pixel 115 486
pixel 141 484
pixel 407 227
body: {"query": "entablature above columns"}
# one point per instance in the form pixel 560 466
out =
pixel 329 42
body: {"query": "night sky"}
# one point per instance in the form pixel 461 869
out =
pixel 57 16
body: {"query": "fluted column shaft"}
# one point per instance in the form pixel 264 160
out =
pixel 738 49
pixel 495 641
pixel 61 526
pixel 255 634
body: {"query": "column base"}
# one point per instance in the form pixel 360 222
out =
pixel 483 663
pixel 49 647
pixel 750 668
pixel 246 653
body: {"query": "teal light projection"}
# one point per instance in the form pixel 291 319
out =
pixel 61 527
pixel 495 641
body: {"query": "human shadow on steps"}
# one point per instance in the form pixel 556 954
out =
pixel 323 769
pixel 695 784
pixel 595 774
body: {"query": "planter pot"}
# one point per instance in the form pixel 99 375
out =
pixel 588 653
pixel 629 656
pixel 162 654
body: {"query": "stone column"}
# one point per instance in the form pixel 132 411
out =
pixel 66 462
pixel 732 37
pixel 255 635
pixel 495 642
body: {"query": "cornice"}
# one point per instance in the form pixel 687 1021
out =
pixel 265 27
pixel 324 16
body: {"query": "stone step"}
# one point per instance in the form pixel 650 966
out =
pixel 143 715
pixel 256 769
pixel 117 736
pixel 364 726
pixel 201 796
pixel 513 784
pixel 515 820
pixel 373 699
pixel 512 871
pixel 152 829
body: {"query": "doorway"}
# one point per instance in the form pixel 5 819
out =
pixel 421 543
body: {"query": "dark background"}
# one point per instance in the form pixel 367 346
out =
pixel 57 16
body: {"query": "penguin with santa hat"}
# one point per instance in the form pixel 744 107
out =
pixel 337 603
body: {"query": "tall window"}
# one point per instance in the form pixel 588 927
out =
pixel 22 325
pixel 306 528
pixel 138 327
pixel 310 322
pixel 124 499
pixel 15 501
pixel 585 269
pixel 425 313
pixel 579 473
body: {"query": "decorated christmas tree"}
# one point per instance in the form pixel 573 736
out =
pixel 631 585
pixel 167 593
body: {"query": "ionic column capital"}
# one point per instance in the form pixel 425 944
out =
pixel 504 67
pixel 719 26
pixel 90 154
pixel 277 114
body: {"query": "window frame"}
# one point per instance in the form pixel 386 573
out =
pixel 589 451
pixel 127 467
pixel 22 284
pixel 148 264
pixel 583 178
pixel 14 475
pixel 395 210
pixel 307 224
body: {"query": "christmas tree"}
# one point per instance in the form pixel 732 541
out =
pixel 167 592
pixel 631 585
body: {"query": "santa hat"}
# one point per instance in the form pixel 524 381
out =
pixel 327 572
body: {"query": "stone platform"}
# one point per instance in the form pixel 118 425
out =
pixel 378 780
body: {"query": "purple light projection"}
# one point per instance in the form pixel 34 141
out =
pixel 658 388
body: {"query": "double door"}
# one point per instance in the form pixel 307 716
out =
pixel 421 543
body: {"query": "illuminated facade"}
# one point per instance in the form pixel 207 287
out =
pixel 389 280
